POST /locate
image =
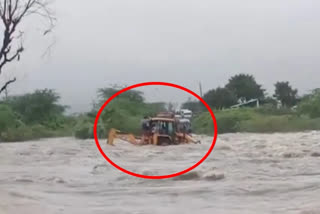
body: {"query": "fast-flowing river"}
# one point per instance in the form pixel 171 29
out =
pixel 245 173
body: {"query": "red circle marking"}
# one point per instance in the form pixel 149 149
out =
pixel 158 176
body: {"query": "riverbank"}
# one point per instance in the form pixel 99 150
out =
pixel 21 119
pixel 252 120
pixel 235 121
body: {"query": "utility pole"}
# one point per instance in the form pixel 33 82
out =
pixel 6 93
pixel 200 87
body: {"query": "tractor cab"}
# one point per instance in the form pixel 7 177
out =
pixel 162 130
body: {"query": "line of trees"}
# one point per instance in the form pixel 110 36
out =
pixel 244 87
pixel 34 115
pixel 39 114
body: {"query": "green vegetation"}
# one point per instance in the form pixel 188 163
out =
pixel 270 117
pixel 39 115
pixel 220 98
pixel 32 116
pixel 124 113
pixel 286 94
pixel 244 86
pixel 260 120
pixel 83 128
pixel 310 104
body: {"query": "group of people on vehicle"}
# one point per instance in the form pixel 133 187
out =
pixel 149 128
pixel 146 125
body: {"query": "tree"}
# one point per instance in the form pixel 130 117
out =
pixel 220 98
pixel 37 107
pixel 12 14
pixel 310 105
pixel 244 86
pixel 285 93
pixel 133 95
pixel 269 101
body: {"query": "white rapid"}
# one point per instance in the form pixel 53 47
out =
pixel 245 173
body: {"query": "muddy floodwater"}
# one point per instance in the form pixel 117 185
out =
pixel 245 173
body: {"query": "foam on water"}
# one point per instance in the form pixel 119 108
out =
pixel 246 173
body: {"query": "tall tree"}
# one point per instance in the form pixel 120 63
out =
pixel 220 98
pixel 286 94
pixel 132 95
pixel 244 86
pixel 12 14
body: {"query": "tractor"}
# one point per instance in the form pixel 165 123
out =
pixel 162 130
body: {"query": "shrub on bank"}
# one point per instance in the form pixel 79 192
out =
pixel 12 129
pixel 311 105
pixel 254 120
pixel 265 124
pixel 227 121
pixel 270 109
pixel 8 119
pixel 84 129
pixel 26 133
pixel 21 133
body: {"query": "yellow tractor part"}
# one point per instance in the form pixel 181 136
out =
pixel 186 138
pixel 190 139
pixel 114 133
pixel 155 139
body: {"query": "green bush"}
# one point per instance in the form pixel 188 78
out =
pixel 203 124
pixel 126 115
pixel 227 121
pixel 25 133
pixel 254 120
pixel 22 133
pixel 265 124
pixel 270 109
pixel 37 107
pixel 311 105
pixel 84 129
pixel 32 116
pixel 40 131
pixel 8 118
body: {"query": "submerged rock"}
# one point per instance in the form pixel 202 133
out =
pixel 292 155
pixel 315 154
pixel 224 147
pixel 213 176
pixel 24 180
pixel 188 176
pixel 54 179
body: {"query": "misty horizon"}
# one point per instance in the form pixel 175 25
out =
pixel 182 42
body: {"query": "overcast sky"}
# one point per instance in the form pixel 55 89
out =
pixel 103 42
